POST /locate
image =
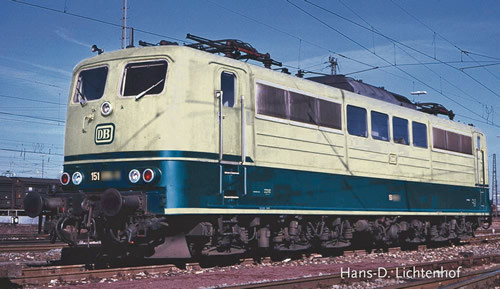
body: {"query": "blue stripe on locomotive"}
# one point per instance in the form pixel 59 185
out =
pixel 194 184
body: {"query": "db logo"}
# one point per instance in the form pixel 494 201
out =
pixel 104 133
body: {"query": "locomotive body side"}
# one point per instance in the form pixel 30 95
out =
pixel 364 174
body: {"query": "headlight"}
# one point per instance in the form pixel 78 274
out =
pixel 134 176
pixel 106 108
pixel 77 178
pixel 65 178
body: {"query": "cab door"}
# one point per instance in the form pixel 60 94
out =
pixel 230 104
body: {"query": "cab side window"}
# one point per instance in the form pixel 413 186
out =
pixel 228 87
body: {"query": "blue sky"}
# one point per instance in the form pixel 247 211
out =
pixel 416 45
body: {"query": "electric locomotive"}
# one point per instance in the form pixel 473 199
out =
pixel 176 151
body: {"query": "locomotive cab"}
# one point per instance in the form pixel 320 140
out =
pixel 118 103
pixel 131 115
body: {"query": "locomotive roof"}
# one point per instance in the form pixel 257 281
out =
pixel 337 81
pixel 359 87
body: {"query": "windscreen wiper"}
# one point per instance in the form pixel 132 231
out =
pixel 137 97
pixel 81 97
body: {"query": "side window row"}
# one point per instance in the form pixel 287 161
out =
pixel 280 103
pixel 357 125
pixel 284 104
pixel 442 139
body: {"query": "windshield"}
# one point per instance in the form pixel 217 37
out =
pixel 90 84
pixel 142 78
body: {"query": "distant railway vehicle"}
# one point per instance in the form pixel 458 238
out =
pixel 14 189
pixel 173 151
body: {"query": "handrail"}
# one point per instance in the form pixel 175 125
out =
pixel 243 135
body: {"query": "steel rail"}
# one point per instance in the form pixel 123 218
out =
pixel 44 275
pixel 476 279
pixel 31 247
pixel 326 281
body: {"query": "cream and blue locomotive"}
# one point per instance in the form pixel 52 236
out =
pixel 173 151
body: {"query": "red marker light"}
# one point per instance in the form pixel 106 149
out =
pixel 148 175
pixel 65 178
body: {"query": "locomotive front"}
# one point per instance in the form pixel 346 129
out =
pixel 119 121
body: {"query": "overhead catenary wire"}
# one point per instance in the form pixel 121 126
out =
pixel 372 67
pixel 480 66
pixel 33 100
pixel 383 59
pixel 462 51
pixel 272 27
pixel 441 36
pixel 169 37
pixel 26 143
pixel 467 53
pixel 36 82
pixel 373 30
pixel 29 109
pixel 319 46
pixel 291 35
pixel 30 152
pixel 414 64
pixel 33 117
pixel 29 121
pixel 65 12
pixel 478 120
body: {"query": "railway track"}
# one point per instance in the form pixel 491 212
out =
pixel 478 279
pixel 6 239
pixel 29 236
pixel 31 247
pixel 482 277
pixel 487 231
pixel 482 239
pixel 24 241
pixel 68 273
